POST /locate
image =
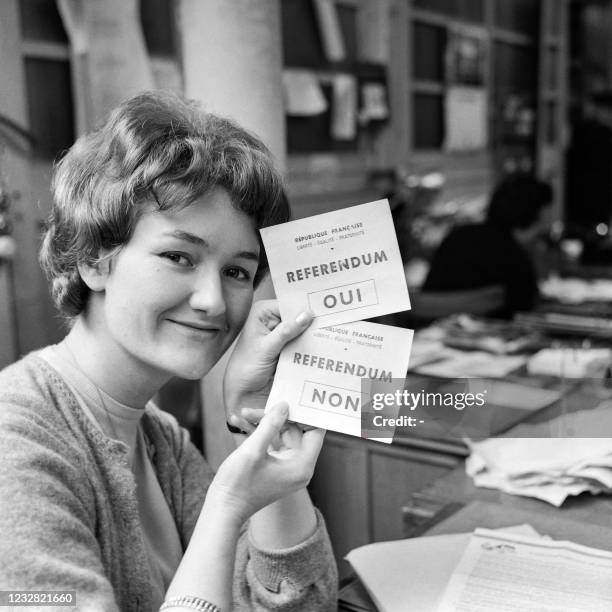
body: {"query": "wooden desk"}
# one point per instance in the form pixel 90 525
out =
pixel 366 490
pixel 584 519
pixel 456 486
pixel 546 520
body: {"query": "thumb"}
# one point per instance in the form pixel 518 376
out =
pixel 268 429
pixel 284 332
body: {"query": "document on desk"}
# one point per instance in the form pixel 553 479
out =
pixel 343 265
pixel 411 574
pixel 320 373
pixel 501 571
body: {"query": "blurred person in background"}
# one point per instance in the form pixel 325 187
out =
pixel 496 252
pixel 152 252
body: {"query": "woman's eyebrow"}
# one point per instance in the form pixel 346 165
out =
pixel 248 255
pixel 194 239
pixel 187 237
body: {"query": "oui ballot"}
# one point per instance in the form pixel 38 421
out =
pixel 344 297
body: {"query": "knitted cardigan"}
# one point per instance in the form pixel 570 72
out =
pixel 69 515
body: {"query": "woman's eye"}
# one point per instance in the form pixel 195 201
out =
pixel 178 258
pixel 238 273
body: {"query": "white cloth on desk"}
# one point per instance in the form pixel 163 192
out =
pixel 576 458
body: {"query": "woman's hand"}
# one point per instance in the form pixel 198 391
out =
pixel 277 459
pixel 250 370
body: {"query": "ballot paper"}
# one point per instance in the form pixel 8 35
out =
pixel 506 572
pixel 321 373
pixel 343 265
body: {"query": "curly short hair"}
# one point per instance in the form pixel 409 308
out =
pixel 518 200
pixel 155 148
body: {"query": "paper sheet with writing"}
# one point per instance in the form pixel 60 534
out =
pixel 510 572
pixel 343 265
pixel 411 574
pixel 320 373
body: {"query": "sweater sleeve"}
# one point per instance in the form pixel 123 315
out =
pixel 48 541
pixel 303 577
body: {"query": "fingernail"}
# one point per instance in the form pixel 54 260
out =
pixel 304 317
pixel 283 409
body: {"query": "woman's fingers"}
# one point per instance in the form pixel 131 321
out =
pixel 269 428
pixel 241 423
pixel 291 436
pixel 252 415
pixel 284 332
pixel 268 313
pixel 312 441
pixel 299 457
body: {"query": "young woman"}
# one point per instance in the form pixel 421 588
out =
pixel 152 251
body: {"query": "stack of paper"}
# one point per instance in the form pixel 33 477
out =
pixel 553 468
pixel 411 574
pixel 507 569
pixel 570 363
pixel 576 290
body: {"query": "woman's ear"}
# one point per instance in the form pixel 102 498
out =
pixel 95 275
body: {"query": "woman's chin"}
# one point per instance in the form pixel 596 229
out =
pixel 191 372
pixel 185 363
pixel 194 375
pixel 195 370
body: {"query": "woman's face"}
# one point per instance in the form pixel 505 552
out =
pixel 179 291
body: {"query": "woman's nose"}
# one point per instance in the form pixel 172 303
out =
pixel 207 295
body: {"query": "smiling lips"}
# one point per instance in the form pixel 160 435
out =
pixel 198 327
